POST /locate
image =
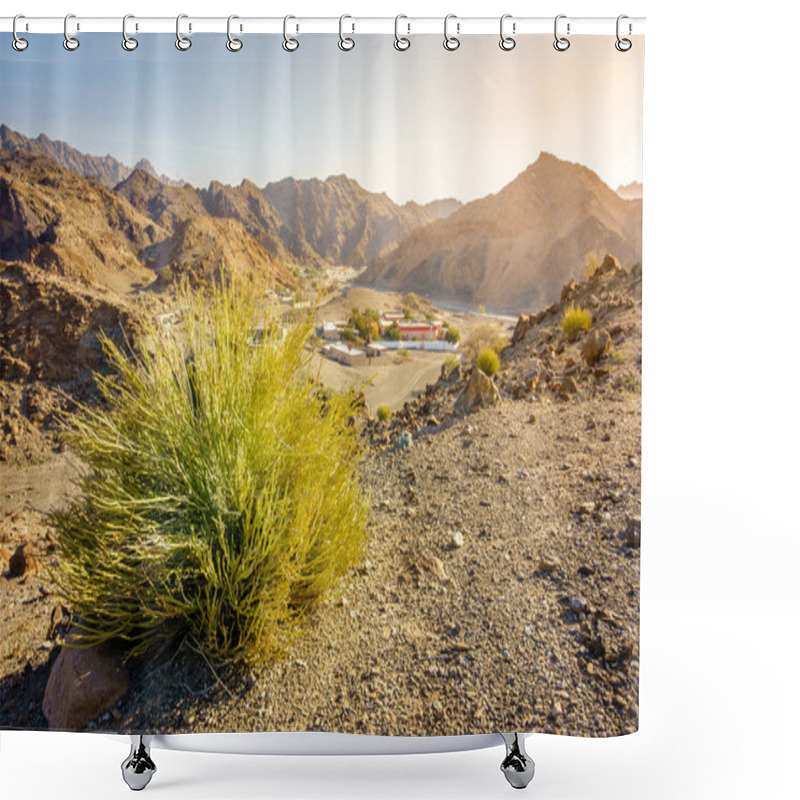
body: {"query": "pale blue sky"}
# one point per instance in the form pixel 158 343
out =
pixel 418 125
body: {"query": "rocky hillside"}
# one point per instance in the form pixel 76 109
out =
pixel 166 204
pixel 70 225
pixel 105 169
pixel 541 363
pixel 342 222
pixel 247 204
pixel 205 248
pixel 516 248
pixel 50 328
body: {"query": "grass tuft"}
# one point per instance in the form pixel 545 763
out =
pixel 575 320
pixel 220 499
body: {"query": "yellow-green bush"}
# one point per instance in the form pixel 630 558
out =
pixel 220 498
pixel 384 413
pixel 488 361
pixel 576 320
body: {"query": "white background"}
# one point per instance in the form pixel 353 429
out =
pixel 720 558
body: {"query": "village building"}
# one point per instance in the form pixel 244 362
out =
pixel 330 331
pixel 376 349
pixel 349 356
pixel 414 330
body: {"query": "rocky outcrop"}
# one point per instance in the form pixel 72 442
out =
pixel 50 326
pixel 516 248
pixel 83 684
pixel 480 392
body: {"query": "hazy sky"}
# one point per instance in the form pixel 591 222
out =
pixel 419 125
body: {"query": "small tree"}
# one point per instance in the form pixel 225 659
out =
pixel 392 333
pixel 452 335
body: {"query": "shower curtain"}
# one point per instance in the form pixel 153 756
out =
pixel 320 382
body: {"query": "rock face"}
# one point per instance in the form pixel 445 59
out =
pixel 516 248
pixel 343 223
pixel 596 344
pixel 51 325
pixel 479 392
pixel 82 685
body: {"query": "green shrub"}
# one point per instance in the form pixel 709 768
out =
pixel 452 335
pixel 575 320
pixel 392 333
pixel 488 361
pixel 384 413
pixel 220 498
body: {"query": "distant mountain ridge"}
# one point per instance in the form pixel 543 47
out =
pixel 516 248
pixel 106 168
pixel 71 225
pixel 311 222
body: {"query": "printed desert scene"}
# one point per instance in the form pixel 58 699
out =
pixel 437 407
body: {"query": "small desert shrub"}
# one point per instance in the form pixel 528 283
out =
pixel 452 362
pixel 220 498
pixel 575 320
pixel 488 334
pixel 384 413
pixel 488 362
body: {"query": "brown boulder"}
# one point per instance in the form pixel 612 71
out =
pixel 524 324
pixel 480 391
pixel 596 344
pixel 83 684
pixel 22 562
pixel 568 289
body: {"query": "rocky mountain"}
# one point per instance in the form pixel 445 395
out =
pixel 516 248
pixel 70 225
pixel 341 221
pixel 630 191
pixel 247 204
pixel 204 247
pixel 165 204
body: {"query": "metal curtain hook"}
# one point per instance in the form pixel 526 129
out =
pixel 70 42
pixel 128 42
pixel 181 42
pixel 18 43
pixel 401 42
pixel 451 42
pixel 345 42
pixel 623 45
pixel 561 43
pixel 233 44
pixel 507 42
pixel 289 44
